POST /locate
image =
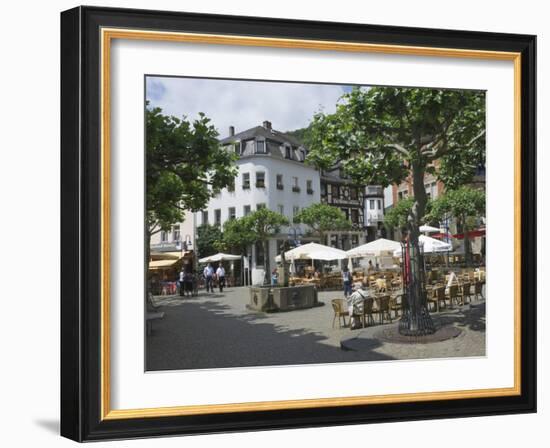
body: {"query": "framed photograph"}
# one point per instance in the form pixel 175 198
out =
pixel 273 223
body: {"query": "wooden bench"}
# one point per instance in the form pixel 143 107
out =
pixel 152 313
pixel 150 317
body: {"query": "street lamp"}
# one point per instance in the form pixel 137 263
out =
pixel 296 232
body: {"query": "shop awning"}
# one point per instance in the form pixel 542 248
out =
pixel 162 264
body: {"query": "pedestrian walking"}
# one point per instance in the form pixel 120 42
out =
pixel 220 273
pixel 180 282
pixel 188 283
pixel 346 280
pixel 274 277
pixel 208 277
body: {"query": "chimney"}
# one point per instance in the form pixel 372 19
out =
pixel 267 125
pixel 231 131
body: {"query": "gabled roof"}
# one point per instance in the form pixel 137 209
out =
pixel 260 131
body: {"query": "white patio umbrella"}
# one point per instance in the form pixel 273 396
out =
pixel 428 229
pixel 374 248
pixel 314 251
pixel 219 257
pixel 430 246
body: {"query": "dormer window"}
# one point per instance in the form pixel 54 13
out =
pixel 260 147
pixel 237 147
pixel 288 152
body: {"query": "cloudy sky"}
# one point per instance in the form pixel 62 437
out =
pixel 243 104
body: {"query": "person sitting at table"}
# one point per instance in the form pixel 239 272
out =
pixel 355 304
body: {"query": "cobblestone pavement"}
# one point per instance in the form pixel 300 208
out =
pixel 216 330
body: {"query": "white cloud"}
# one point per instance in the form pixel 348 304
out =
pixel 243 104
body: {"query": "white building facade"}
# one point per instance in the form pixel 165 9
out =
pixel 271 174
pixel 180 237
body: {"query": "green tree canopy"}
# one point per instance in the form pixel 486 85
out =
pixel 465 204
pixel 185 167
pixel 380 135
pixel 323 218
pixel 208 240
pixel 397 216
pixel 238 235
pixel 265 223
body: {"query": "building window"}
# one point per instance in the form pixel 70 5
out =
pixel 334 240
pixel 402 194
pixel 309 187
pixel 260 179
pixel 288 152
pixel 246 181
pixel 323 189
pixel 281 209
pixel 335 191
pixel 246 210
pixel 354 216
pixel 163 236
pixel 260 206
pixel 379 202
pixel 260 254
pixel 260 147
pixel 295 186
pixel 176 233
pixel 371 204
pixel 231 185
pixel 232 214
pixel 354 240
pixel 353 193
pixel 205 217
pixel 280 185
pixel 217 217
pixel 237 147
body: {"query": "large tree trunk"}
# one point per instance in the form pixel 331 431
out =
pixel 467 247
pixel 285 268
pixel 416 320
pixel 267 276
pixel 146 260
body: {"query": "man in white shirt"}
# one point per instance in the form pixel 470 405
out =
pixel 208 274
pixel 355 303
pixel 220 273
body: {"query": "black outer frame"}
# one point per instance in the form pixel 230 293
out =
pixel 81 208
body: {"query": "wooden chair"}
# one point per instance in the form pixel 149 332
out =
pixel 478 290
pixel 436 296
pixel 452 295
pixel 464 293
pixel 368 310
pixel 396 304
pixel 340 312
pixel 384 308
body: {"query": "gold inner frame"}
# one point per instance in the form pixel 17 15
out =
pixel 107 35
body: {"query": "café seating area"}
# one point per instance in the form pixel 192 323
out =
pixel 383 304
